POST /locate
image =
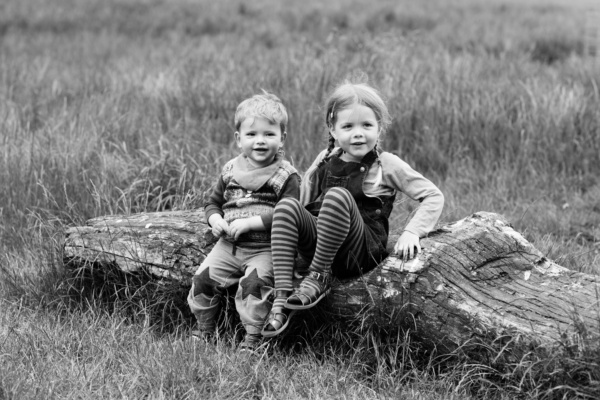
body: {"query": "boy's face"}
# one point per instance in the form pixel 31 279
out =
pixel 259 140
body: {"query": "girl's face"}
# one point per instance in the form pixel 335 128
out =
pixel 356 130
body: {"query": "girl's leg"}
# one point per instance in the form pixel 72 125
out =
pixel 294 230
pixel 340 228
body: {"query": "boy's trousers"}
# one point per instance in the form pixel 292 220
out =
pixel 227 265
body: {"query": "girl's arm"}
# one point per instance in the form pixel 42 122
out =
pixel 309 190
pixel 399 175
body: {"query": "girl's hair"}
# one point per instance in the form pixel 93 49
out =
pixel 265 105
pixel 348 94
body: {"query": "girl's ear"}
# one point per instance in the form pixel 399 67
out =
pixel 237 139
pixel 332 132
pixel 283 136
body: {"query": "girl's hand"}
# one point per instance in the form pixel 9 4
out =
pixel 406 246
pixel 220 227
pixel 239 226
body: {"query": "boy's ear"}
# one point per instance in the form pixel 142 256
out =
pixel 237 138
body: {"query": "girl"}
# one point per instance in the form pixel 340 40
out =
pixel 347 195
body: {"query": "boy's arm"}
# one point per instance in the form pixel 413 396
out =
pixel 264 222
pixel 290 189
pixel 213 211
pixel 215 201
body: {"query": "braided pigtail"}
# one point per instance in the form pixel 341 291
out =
pixel 330 147
pixel 377 151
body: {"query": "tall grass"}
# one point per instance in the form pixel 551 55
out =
pixel 123 106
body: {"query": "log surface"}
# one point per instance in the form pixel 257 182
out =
pixel 476 277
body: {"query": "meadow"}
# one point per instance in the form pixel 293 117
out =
pixel 125 106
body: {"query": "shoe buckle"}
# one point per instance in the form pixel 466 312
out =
pixel 323 278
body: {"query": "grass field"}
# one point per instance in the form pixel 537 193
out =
pixel 122 106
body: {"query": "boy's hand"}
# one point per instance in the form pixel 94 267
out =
pixel 406 246
pixel 220 227
pixel 239 226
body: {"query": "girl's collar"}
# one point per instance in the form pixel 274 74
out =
pixel 368 158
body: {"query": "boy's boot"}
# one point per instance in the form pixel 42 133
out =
pixel 206 310
pixel 251 342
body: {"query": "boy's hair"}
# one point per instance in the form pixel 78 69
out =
pixel 265 105
pixel 349 93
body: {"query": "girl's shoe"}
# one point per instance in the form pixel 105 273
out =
pixel 277 321
pixel 312 290
pixel 279 317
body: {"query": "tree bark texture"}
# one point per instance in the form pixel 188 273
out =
pixel 475 278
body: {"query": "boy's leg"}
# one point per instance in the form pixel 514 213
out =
pixel 219 271
pixel 253 297
pixel 340 227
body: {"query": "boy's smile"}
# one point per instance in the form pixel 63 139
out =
pixel 259 140
pixel 356 130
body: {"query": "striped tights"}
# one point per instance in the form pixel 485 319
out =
pixel 338 233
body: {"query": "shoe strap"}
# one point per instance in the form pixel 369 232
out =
pixel 322 277
pixel 283 293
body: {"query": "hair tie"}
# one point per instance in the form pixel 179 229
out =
pixel 331 113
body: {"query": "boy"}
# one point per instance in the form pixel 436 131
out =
pixel 240 213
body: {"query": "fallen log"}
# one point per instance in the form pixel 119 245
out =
pixel 475 278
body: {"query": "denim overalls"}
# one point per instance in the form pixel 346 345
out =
pixel 374 211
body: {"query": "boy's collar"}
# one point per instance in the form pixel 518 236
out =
pixel 251 177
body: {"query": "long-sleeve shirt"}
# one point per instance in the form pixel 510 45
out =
pixel 393 175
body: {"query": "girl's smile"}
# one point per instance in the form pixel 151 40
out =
pixel 356 129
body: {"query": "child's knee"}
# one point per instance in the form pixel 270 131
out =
pixel 337 195
pixel 255 285
pixel 336 192
pixel 203 284
pixel 287 203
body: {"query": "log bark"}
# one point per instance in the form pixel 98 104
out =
pixel 475 278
